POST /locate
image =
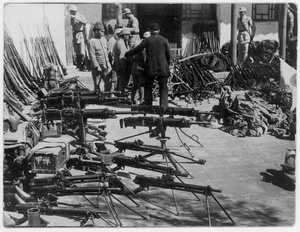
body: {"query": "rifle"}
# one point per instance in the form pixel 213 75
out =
pixel 162 110
pixel 64 69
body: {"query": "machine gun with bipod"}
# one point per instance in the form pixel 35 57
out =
pixel 167 182
pixel 160 124
pixel 142 163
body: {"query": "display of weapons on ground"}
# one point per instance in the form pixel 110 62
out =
pixel 64 110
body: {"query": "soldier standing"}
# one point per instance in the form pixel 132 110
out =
pixel 78 23
pixel 244 26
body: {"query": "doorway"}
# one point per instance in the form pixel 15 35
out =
pixel 168 16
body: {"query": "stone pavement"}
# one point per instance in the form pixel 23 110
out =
pixel 245 169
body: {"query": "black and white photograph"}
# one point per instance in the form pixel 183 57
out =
pixel 150 115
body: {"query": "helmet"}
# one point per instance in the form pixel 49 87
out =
pixel 73 8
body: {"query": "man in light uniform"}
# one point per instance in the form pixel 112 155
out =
pixel 101 67
pixel 78 23
pixel 244 26
pixel 133 24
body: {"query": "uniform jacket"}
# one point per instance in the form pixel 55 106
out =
pixel 244 25
pixel 98 52
pixel 158 55
pixel 133 23
pixel 78 23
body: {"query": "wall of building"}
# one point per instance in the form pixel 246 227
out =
pixel 264 30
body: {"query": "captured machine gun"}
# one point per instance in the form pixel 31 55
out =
pixel 74 120
pixel 17 200
pixel 167 182
pixel 171 111
pixel 105 184
pixel 77 98
pixel 138 145
pixel 159 131
pixel 159 123
pixel 142 163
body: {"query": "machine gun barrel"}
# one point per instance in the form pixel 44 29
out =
pixel 155 122
pixel 72 97
pixel 56 210
pixel 55 114
pixel 168 183
pixel 62 190
pixel 162 110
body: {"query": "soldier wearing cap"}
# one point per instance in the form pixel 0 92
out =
pixel 244 26
pixel 122 65
pixel 78 23
pixel 158 58
pixel 101 67
pixel 133 24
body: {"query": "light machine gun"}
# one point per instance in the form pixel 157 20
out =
pixel 167 182
pixel 160 124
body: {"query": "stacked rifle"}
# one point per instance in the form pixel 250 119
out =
pixel 197 77
pixel 17 78
pixel 252 75
pixel 42 51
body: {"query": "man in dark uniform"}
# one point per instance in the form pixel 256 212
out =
pixel 158 58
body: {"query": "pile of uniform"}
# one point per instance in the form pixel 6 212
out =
pixel 246 115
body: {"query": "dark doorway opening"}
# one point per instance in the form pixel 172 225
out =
pixel 167 15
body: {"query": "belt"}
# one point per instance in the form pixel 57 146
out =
pixel 242 30
pixel 78 31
